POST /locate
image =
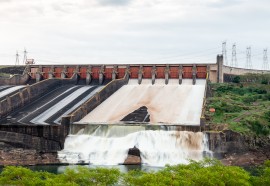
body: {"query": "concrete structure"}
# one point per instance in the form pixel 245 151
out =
pixel 15 80
pixel 219 71
pixel 50 138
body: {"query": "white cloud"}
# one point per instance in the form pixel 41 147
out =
pixel 111 31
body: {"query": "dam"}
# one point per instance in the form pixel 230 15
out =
pixel 109 114
pixel 112 114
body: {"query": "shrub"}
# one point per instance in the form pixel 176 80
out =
pixel 258 127
pixel 249 99
pixel 266 97
pixel 264 81
pixel 267 115
pixel 236 79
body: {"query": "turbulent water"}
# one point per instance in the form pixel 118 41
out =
pixel 109 144
pixel 157 147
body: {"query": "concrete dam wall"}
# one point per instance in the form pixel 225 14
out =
pixel 150 113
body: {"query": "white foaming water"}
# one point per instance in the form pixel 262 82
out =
pixel 157 148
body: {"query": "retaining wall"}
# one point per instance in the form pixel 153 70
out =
pixel 30 93
pixel 43 138
pixel 15 80
pixel 93 102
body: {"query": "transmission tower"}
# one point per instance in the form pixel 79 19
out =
pixel 224 53
pixel 17 62
pixel 265 60
pixel 248 63
pixel 25 56
pixel 234 59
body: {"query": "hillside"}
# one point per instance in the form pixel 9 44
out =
pixel 244 107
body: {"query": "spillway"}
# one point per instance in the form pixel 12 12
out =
pixel 166 104
pixel 42 117
pixel 6 90
pixel 59 102
pixel 109 145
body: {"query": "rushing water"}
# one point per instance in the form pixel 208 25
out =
pixel 172 103
pixel 110 145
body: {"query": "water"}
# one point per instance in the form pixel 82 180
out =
pixel 109 146
pixel 41 118
pixel 172 103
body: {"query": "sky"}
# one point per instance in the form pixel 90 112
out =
pixel 133 31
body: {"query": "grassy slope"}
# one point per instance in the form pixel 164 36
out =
pixel 244 107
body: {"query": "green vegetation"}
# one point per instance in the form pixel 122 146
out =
pixel 255 78
pixel 80 176
pixel 206 172
pixel 243 106
pixel 6 71
pixel 4 75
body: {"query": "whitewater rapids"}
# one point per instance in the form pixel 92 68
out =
pixel 157 147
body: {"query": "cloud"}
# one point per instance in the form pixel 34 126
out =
pixel 5 1
pixel 224 3
pixel 114 2
pixel 111 31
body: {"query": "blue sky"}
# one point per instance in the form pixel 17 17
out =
pixel 132 31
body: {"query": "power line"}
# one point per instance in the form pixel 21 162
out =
pixel 248 60
pixel 265 60
pixel 224 52
pixel 234 59
pixel 17 62
pixel 25 56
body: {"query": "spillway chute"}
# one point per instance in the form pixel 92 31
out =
pixel 171 103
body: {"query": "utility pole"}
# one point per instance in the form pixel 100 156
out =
pixel 25 56
pixel 224 52
pixel 234 59
pixel 248 63
pixel 265 60
pixel 17 62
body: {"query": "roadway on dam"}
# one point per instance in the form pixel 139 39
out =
pixel 157 104
pixel 57 103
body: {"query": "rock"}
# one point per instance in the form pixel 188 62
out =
pixel 132 160
pixel 134 151
pixel 20 156
pixel 139 115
